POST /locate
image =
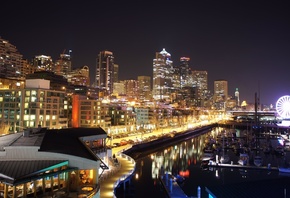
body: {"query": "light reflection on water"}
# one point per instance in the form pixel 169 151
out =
pixel 184 159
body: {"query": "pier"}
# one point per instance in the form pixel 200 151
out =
pixel 171 187
pixel 220 165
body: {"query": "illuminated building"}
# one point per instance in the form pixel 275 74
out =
pixel 220 93
pixel 63 65
pixel 34 105
pixel 184 71
pixel 162 76
pixel 105 72
pixel 43 63
pixel 199 79
pixel 131 88
pixel 119 88
pixel 10 60
pixel 55 163
pixel 79 76
pixel 144 89
pixel 89 113
pixel 116 73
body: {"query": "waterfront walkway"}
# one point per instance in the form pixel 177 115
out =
pixel 111 178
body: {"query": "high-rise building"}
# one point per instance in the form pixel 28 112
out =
pixel 162 76
pixel 199 79
pixel 63 65
pixel 184 71
pixel 105 72
pixel 79 76
pixel 144 90
pixel 220 95
pixel 43 63
pixel 10 60
pixel 116 73
pixel 131 88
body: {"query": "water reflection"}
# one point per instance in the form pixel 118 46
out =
pixel 184 159
pixel 176 159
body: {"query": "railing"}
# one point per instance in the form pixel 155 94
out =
pixel 129 174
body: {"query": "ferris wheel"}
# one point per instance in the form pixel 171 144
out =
pixel 283 106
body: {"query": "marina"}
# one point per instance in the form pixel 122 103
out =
pixel 260 165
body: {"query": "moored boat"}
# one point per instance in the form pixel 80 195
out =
pixel 258 160
pixel 244 158
pixel 284 169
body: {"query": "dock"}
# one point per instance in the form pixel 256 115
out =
pixel 220 165
pixel 171 187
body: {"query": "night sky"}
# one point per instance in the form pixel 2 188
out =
pixel 246 43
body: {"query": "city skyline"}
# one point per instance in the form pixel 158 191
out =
pixel 246 44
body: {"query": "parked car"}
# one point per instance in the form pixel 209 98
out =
pixel 123 142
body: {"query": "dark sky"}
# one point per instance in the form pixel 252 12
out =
pixel 244 42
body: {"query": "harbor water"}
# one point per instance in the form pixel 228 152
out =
pixel 184 159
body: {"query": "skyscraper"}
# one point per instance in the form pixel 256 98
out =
pixel 144 87
pixel 220 93
pixel 199 80
pixel 162 76
pixel 105 72
pixel 63 65
pixel 184 71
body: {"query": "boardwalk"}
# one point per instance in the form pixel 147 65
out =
pixel 116 175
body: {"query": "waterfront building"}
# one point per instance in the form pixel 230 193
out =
pixel 55 163
pixel 88 113
pixel 104 78
pixel 162 76
pixel 63 64
pixel 10 60
pixel 33 106
pixel 220 94
pixel 144 89
pixel 43 63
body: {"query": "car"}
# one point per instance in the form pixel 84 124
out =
pixel 123 142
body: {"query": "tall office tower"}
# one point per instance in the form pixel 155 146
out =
pixel 144 87
pixel 220 95
pixel 199 80
pixel 116 73
pixel 237 97
pixel 184 71
pixel 63 65
pixel 162 76
pixel 43 63
pixel 79 76
pixel 10 60
pixel 104 72
pixel 131 88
